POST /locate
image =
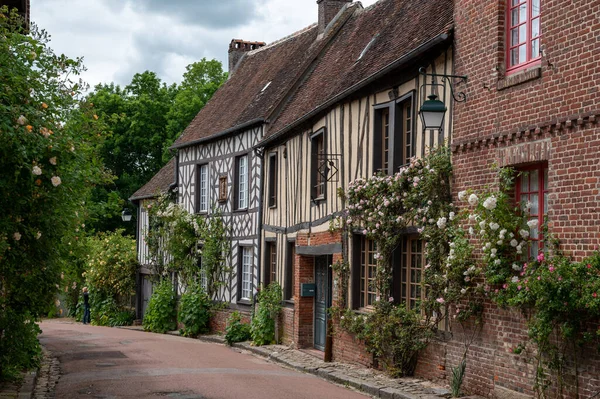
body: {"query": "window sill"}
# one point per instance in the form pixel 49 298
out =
pixel 244 302
pixel 520 77
pixel 242 210
pixel 272 206
pixel 289 303
pixel 317 201
pixel 204 213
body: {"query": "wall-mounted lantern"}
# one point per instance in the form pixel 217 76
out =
pixel 433 111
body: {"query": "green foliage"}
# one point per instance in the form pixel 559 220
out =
pixel 393 333
pixel 112 264
pixel 49 164
pixel 108 312
pixel 194 311
pixel 196 244
pixel 236 330
pixel 144 119
pixel 19 347
pixel 161 314
pixel 457 378
pixel 268 308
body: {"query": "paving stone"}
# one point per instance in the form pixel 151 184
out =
pixel 371 388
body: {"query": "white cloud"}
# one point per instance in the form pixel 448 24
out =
pixel 120 38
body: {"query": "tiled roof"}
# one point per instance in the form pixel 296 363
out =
pixel 395 27
pixel 245 97
pixel 159 183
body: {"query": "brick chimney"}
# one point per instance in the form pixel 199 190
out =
pixel 237 48
pixel 327 10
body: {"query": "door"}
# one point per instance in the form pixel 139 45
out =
pixel 322 299
pixel 146 292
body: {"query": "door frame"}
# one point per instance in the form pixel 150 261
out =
pixel 328 298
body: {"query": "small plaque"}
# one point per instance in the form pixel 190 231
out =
pixel 222 188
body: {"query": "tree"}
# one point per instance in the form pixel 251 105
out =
pixel 49 163
pixel 200 81
pixel 145 118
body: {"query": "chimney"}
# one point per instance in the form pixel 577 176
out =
pixel 237 48
pixel 327 10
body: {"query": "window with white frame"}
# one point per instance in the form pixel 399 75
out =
pixel 246 274
pixel 202 189
pixel 242 182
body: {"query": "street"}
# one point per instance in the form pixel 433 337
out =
pixel 105 362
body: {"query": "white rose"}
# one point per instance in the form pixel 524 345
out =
pixel 53 160
pixel 441 222
pixel 514 243
pixel 56 181
pixel 473 199
pixel 532 223
pixel 490 203
pixel 17 236
pixel 524 233
pixel 36 170
pixel 462 195
pixel 22 120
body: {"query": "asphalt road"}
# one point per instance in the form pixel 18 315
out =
pixel 102 362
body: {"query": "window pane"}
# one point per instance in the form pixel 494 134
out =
pixel 523 12
pixel 534 204
pixel 522 37
pixel 534 248
pixel 515 2
pixel 534 180
pixel 535 8
pixel 545 178
pixel 522 53
pixel 534 233
pixel 535 48
pixel 514 56
pixel 535 27
pixel 524 182
pixel 514 33
pixel 515 17
pixel 545 210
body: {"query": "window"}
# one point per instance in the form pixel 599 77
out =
pixel 202 188
pixel 393 139
pixel 318 165
pixel 203 279
pixel 245 274
pixel 523 33
pixel 271 262
pixel 290 281
pixel 412 261
pixel 273 180
pixel 532 194
pixel 241 179
pixel 364 272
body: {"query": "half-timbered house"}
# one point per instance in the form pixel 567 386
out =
pixel 218 167
pixel 161 183
pixel 353 114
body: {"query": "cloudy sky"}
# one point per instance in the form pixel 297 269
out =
pixel 118 38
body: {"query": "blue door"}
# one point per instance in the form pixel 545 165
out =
pixel 322 299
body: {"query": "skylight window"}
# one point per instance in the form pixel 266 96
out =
pixel 367 47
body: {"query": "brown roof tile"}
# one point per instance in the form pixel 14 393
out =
pixel 398 26
pixel 242 99
pixel 159 183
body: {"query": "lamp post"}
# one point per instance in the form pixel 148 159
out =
pixel 433 111
pixel 126 215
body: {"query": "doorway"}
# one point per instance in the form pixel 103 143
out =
pixel 323 290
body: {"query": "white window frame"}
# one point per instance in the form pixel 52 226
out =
pixel 203 188
pixel 242 200
pixel 246 271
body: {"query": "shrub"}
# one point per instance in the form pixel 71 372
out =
pixel 161 313
pixel 194 311
pixel 108 313
pixel 236 331
pixel 263 323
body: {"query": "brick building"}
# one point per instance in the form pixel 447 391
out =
pixel 533 103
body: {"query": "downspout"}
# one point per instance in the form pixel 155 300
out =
pixel 259 152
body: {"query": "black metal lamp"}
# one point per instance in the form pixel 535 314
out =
pixel 432 113
pixel 126 215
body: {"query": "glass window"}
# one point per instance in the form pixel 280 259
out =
pixel 202 187
pixel 532 194
pixel 246 272
pixel 523 33
pixel 242 182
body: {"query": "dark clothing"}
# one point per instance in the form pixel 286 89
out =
pixel 86 308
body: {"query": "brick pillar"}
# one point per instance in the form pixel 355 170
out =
pixel 303 315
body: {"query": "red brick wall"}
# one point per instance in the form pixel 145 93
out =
pixel 548 114
pixel 218 322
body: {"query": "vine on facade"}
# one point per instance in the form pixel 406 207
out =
pixel 194 246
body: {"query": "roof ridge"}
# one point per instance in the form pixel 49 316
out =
pixel 283 39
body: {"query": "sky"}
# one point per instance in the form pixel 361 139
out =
pixel 118 38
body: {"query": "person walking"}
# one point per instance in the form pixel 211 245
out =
pixel 86 306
